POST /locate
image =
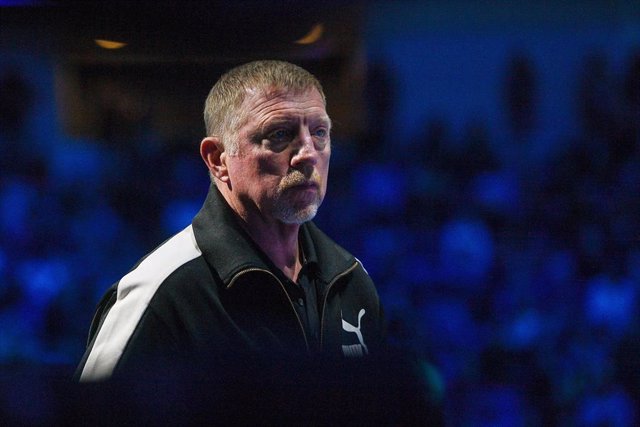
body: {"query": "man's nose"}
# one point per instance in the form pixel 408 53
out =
pixel 305 152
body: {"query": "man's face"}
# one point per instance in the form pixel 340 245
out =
pixel 280 169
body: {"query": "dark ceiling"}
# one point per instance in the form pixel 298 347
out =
pixel 233 30
pixel 175 50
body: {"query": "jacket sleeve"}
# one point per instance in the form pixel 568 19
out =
pixel 150 344
pixel 151 349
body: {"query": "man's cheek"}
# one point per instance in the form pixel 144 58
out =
pixel 267 165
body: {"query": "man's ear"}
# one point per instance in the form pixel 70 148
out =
pixel 215 157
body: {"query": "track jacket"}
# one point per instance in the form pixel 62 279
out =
pixel 210 289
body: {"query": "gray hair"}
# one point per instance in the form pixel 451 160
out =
pixel 222 117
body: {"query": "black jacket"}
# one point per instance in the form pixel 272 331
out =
pixel 210 290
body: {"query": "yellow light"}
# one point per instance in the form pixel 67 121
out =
pixel 109 44
pixel 313 35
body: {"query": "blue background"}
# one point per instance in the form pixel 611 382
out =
pixel 490 187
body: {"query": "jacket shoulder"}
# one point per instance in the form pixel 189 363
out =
pixel 125 303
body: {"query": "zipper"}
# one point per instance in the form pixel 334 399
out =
pixel 250 270
pixel 326 296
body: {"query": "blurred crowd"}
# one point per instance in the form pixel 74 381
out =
pixel 512 271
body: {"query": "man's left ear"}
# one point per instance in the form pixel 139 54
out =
pixel 215 157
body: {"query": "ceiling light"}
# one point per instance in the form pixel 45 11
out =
pixel 313 35
pixel 109 44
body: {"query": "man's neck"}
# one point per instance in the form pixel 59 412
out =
pixel 280 242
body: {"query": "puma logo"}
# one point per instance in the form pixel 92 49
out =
pixel 355 350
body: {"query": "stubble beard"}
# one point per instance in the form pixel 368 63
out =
pixel 290 215
pixel 288 210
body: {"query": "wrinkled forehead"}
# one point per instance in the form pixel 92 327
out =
pixel 270 92
pixel 257 102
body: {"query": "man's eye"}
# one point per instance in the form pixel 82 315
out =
pixel 280 135
pixel 321 137
pixel 278 139
pixel 321 133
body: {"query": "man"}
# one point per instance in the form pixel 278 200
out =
pixel 251 274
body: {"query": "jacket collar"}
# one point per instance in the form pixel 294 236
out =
pixel 229 249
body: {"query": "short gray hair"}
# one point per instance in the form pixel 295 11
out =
pixel 222 117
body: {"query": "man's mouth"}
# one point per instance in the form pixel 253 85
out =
pixel 304 186
pixel 298 181
pixel 307 184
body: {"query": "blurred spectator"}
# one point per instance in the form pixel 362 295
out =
pixel 611 305
pixel 474 155
pixel 520 92
pixel 595 102
pixel 15 101
pixel 380 95
pixel 18 204
pixel 466 254
pixel 382 189
pixel 495 405
pixel 614 408
pixel 631 89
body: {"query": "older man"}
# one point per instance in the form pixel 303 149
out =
pixel 251 274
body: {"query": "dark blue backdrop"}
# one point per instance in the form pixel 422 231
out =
pixel 491 194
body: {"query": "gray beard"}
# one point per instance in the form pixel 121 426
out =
pixel 284 210
pixel 289 215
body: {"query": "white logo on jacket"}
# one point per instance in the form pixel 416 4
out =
pixel 355 350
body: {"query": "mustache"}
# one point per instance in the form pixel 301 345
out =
pixel 295 177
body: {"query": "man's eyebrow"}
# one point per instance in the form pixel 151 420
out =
pixel 276 122
pixel 268 126
pixel 326 120
pixel 321 119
